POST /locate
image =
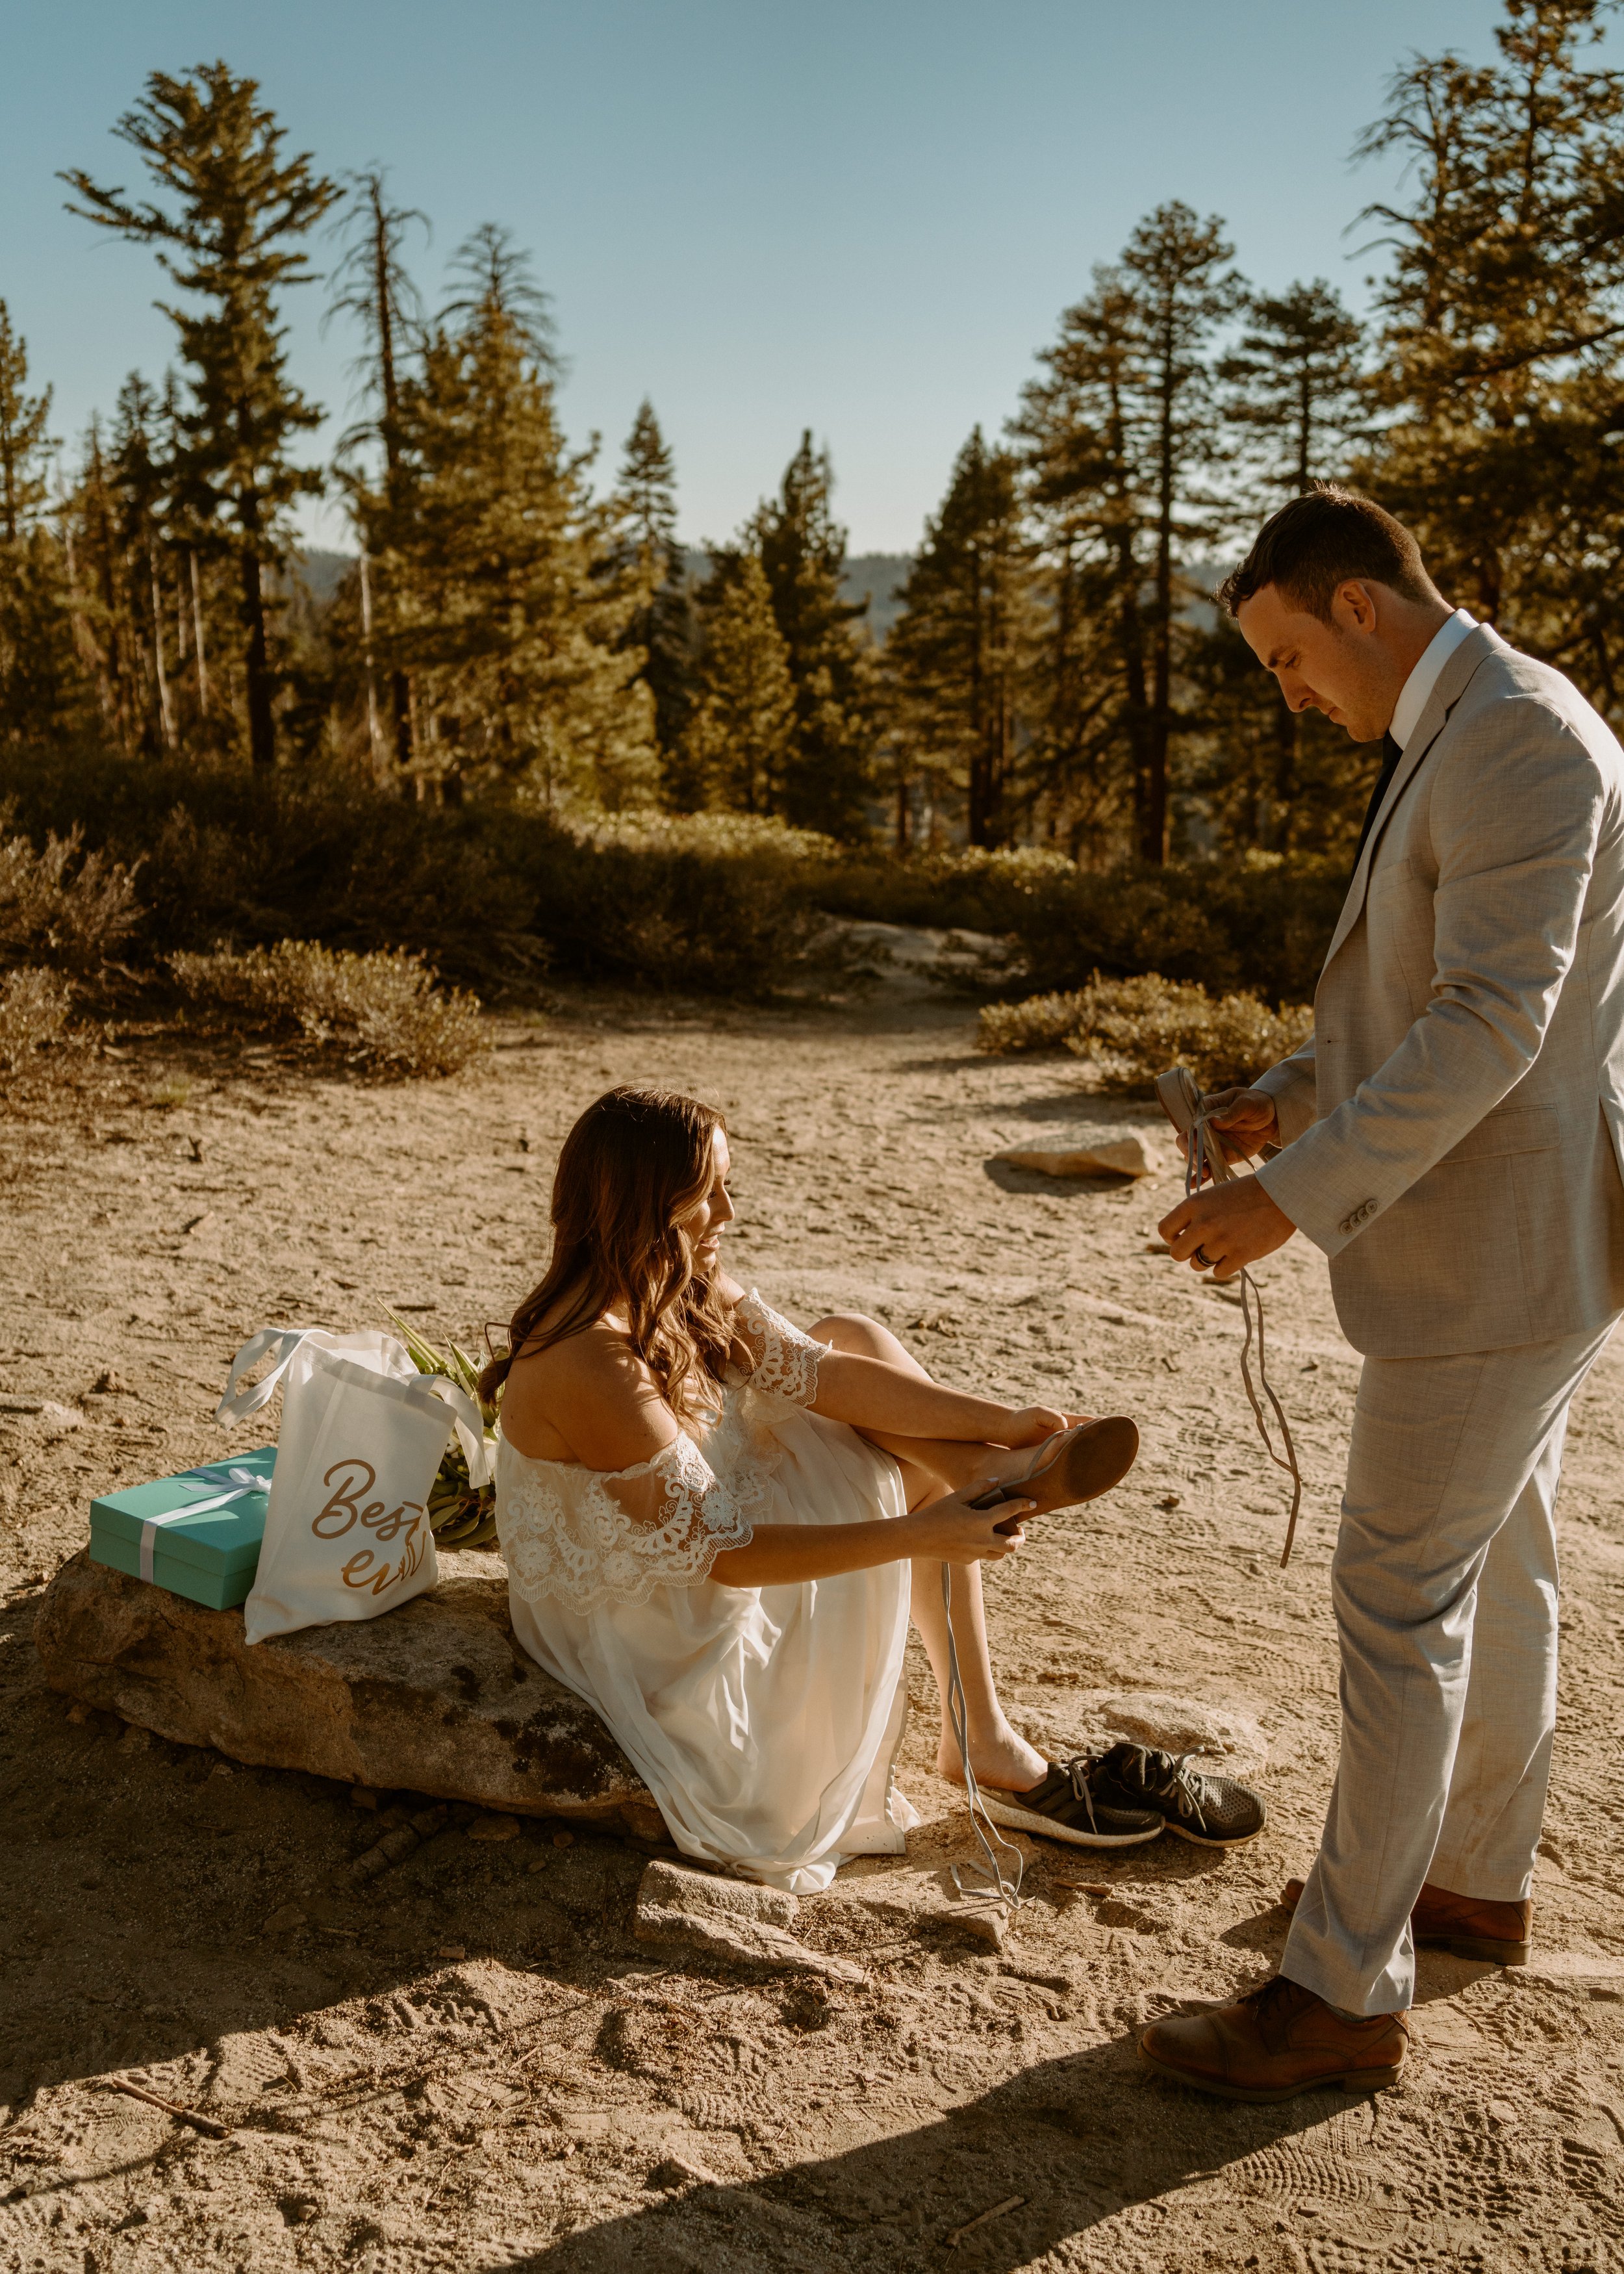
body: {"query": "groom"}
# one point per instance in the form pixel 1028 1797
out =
pixel 1450 1137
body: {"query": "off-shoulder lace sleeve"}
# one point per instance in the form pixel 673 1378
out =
pixel 785 1359
pixel 590 1537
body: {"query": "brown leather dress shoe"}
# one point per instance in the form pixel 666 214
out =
pixel 1275 2042
pixel 1468 1925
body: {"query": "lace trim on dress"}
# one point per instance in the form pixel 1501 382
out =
pixel 785 1359
pixel 590 1537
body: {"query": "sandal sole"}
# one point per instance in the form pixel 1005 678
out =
pixel 1099 1456
pixel 1357 2080
pixel 1025 1820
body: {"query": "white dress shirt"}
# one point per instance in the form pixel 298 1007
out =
pixel 1413 697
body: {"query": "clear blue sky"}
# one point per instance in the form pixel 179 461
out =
pixel 862 216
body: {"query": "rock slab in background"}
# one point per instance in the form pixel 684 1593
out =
pixel 681 1911
pixel 1227 1731
pixel 1107 1151
pixel 436 1697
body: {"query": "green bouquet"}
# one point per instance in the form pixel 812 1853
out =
pixel 461 1515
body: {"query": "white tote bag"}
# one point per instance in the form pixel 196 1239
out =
pixel 363 1432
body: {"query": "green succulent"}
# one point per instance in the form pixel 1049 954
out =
pixel 461 1515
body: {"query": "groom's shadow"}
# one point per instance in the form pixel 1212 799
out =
pixel 1075 2140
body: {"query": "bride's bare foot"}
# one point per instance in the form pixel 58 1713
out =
pixel 1004 1761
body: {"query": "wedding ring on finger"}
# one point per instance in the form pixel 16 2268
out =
pixel 1202 1260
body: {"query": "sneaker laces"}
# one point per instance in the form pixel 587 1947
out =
pixel 1172 1779
pixel 1079 1770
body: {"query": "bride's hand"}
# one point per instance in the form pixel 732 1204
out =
pixel 1029 1425
pixel 954 1533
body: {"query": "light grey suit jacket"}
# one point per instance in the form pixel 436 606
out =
pixel 1453 1130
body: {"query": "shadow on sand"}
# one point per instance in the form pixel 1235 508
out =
pixel 1078 2139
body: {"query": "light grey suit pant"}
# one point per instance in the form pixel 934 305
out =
pixel 1444 1588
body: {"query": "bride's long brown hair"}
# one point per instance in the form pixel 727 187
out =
pixel 634 1165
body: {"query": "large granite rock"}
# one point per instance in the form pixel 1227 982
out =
pixel 436 1697
pixel 1101 1149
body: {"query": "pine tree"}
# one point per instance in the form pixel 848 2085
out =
pixel 499 567
pixel 1296 392
pixel 956 656
pixel 652 563
pixel 229 233
pixel 1298 409
pixel 740 736
pixel 1121 438
pixel 1176 271
pixel 24 443
pixel 42 683
pixel 1089 694
pixel 139 482
pixel 1501 359
pixel 802 553
pixel 372 283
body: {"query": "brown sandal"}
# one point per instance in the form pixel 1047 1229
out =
pixel 1073 1465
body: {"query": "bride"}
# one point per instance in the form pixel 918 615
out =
pixel 710 1520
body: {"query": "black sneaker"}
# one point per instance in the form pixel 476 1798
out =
pixel 1215 1811
pixel 1069 1805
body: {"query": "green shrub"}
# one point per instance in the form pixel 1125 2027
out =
pixel 491 893
pixel 1133 1029
pixel 34 1011
pixel 382 1009
pixel 1041 1022
pixel 62 905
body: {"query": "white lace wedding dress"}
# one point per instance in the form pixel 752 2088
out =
pixel 765 1720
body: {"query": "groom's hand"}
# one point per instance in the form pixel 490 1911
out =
pixel 1243 1120
pixel 1225 1228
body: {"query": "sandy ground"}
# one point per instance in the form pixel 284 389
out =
pixel 531 2099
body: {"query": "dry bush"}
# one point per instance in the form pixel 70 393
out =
pixel 1133 1029
pixel 383 1009
pixel 62 905
pixel 34 1011
pixel 724 904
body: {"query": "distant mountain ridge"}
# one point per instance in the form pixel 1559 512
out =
pixel 877 577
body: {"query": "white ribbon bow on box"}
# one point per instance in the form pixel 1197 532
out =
pixel 244 1482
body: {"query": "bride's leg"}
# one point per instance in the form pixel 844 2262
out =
pixel 931 1468
pixel 954 1462
pixel 998 1755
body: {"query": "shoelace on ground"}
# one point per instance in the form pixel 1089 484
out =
pixel 1000 1885
pixel 1204 1157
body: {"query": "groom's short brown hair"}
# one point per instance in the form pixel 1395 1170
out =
pixel 1317 543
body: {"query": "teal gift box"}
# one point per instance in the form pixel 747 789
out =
pixel 196 1534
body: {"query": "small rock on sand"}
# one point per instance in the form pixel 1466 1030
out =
pixel 681 1911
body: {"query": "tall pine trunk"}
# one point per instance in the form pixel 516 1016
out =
pixel 400 686
pixel 1153 811
pixel 261 688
